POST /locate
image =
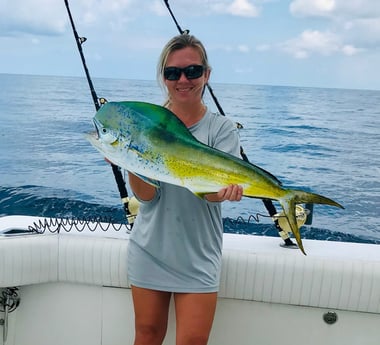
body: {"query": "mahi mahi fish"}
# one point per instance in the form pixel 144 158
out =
pixel 151 142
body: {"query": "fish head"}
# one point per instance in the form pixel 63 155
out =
pixel 137 135
pixel 105 135
pixel 114 124
pixel 111 130
pixel 119 132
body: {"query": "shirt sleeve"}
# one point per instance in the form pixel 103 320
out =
pixel 226 137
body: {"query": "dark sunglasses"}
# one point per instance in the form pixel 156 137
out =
pixel 191 72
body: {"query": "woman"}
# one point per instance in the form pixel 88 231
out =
pixel 176 242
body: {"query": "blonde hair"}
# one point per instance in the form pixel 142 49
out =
pixel 176 43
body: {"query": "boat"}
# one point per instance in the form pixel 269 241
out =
pixel 64 282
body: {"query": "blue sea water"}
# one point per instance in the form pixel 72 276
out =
pixel 322 140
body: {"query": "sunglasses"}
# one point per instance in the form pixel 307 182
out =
pixel 191 72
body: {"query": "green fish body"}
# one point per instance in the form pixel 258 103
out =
pixel 151 142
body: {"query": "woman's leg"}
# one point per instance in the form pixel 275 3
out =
pixel 151 315
pixel 194 315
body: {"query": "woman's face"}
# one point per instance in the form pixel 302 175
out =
pixel 185 90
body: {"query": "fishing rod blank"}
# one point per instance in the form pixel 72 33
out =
pixel 98 102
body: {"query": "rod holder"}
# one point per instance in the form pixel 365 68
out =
pixel 9 301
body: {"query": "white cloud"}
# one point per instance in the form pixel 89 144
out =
pixel 228 48
pixel 263 47
pixel 241 8
pixel 350 50
pixel 243 48
pixel 307 8
pixel 351 26
pixel 346 9
pixel 49 17
pixel 197 8
pixel 316 42
pixel 38 16
pixel 337 9
pixel 363 31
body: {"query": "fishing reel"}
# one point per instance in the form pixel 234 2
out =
pixel 280 218
pixel 131 208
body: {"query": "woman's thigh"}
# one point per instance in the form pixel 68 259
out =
pixel 194 316
pixel 151 314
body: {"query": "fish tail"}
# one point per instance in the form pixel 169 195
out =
pixel 289 207
pixel 288 204
pixel 301 197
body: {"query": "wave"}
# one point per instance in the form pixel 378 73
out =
pixel 40 201
pixel 253 227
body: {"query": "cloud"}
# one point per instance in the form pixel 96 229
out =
pixel 241 8
pixel 33 17
pixel 316 42
pixel 49 17
pixel 357 8
pixel 351 26
pixel 350 50
pixel 306 8
pixel 231 48
pixel 336 9
pixel 363 31
pixel 197 8
pixel 263 47
pixel 243 48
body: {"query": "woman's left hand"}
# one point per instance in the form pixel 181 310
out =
pixel 232 192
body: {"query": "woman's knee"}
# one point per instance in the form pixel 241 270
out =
pixel 149 334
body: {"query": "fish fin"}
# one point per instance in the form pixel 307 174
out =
pixel 289 207
pixel 266 172
pixel 294 197
pixel 313 198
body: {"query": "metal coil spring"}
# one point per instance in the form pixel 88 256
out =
pixel 57 225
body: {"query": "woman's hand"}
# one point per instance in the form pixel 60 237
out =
pixel 232 192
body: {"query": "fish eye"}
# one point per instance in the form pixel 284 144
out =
pixel 107 136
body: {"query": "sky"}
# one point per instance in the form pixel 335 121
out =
pixel 312 43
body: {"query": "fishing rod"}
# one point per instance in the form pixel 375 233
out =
pixel 98 102
pixel 267 202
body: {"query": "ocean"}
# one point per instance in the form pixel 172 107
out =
pixel 321 140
